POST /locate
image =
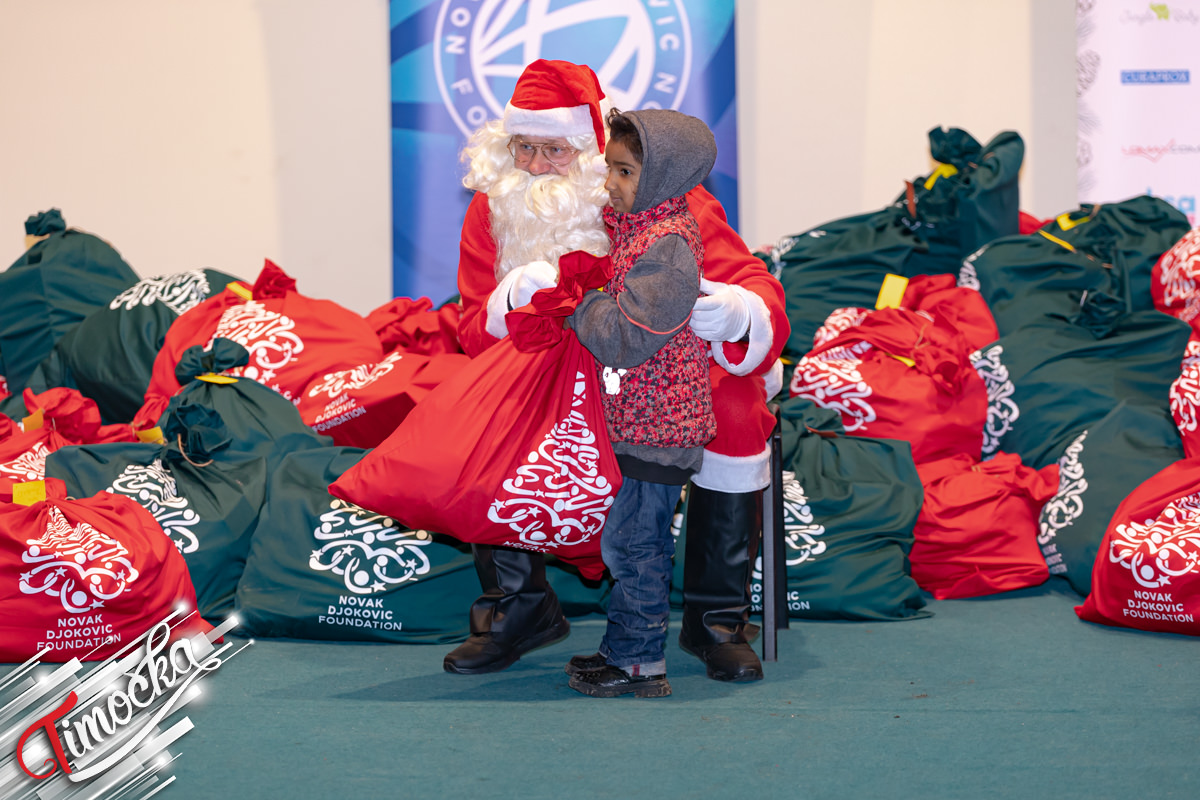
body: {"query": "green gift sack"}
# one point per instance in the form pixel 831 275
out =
pixel 54 285
pixel 110 354
pixel 322 568
pixel 259 420
pixel 1133 233
pixel 205 495
pixel 1050 379
pixel 850 506
pixel 969 200
pixel 1098 469
pixel 1108 250
pixel 840 264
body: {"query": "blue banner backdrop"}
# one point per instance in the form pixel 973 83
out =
pixel 454 66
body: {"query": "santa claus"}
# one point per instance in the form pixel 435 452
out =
pixel 538 174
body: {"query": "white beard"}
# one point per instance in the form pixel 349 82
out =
pixel 539 218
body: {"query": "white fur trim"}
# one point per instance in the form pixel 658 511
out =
pixel 774 379
pixel 734 474
pixel 760 336
pixel 497 306
pixel 549 122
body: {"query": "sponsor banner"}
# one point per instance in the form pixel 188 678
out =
pixel 1139 101
pixel 454 64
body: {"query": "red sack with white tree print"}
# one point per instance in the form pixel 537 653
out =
pixel 1147 572
pixel 977 532
pixel 1175 280
pixel 1185 398
pixel 85 577
pixel 513 450
pixel 57 418
pixel 900 374
pixel 360 407
pixel 291 338
pixel 939 296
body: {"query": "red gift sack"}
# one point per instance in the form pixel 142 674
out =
pixel 57 417
pixel 900 374
pixel 84 578
pixel 360 407
pixel 939 296
pixel 1185 398
pixel 1147 572
pixel 414 326
pixel 1175 280
pixel 513 450
pixel 977 532
pixel 291 338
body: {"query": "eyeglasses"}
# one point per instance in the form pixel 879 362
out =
pixel 557 154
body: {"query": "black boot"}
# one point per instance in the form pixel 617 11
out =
pixel 721 542
pixel 517 612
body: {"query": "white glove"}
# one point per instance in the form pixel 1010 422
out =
pixel 528 279
pixel 721 315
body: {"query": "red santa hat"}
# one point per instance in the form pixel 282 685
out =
pixel 556 98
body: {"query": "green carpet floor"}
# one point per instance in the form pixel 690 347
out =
pixel 1003 697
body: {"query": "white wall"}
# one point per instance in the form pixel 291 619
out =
pixel 843 95
pixel 217 133
pixel 205 133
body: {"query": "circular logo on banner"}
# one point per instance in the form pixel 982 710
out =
pixel 641 50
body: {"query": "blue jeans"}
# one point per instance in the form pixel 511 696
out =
pixel 637 547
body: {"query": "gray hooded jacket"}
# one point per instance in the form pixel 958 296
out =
pixel 678 152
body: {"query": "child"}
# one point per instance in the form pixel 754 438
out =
pixel 657 396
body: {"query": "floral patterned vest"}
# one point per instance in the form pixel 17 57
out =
pixel 667 400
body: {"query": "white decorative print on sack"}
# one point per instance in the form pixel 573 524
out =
pixel 968 278
pixel 154 489
pixel 801 531
pixel 1065 507
pixel 558 497
pixel 1002 410
pixel 802 537
pixel 1178 276
pixel 1157 550
pixel 179 293
pixel 831 380
pixel 1185 390
pixel 839 320
pixel 269 337
pixel 369 551
pixel 29 466
pixel 76 563
pixel 335 384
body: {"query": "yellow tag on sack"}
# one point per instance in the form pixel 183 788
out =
pixel 241 290
pixel 1066 223
pixel 28 493
pixel 152 435
pixel 34 421
pixel 942 171
pixel 891 292
pixel 31 239
pixel 908 362
pixel 212 377
pixel 1058 241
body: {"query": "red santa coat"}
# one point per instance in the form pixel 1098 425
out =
pixel 743 423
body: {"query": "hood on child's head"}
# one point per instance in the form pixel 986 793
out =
pixel 678 152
